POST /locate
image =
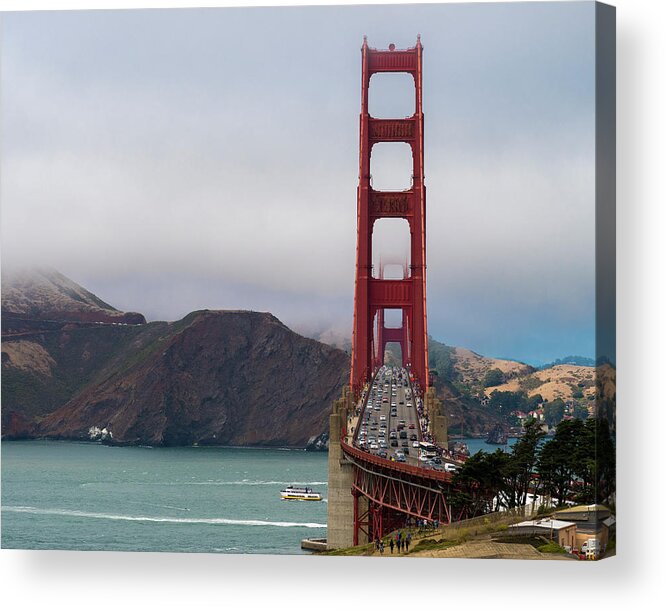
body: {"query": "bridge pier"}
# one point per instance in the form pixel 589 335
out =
pixel 437 418
pixel 341 517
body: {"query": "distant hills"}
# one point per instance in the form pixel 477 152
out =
pixel 575 360
pixel 73 366
pixel 45 294
pixel 214 377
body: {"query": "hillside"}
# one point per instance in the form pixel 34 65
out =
pixel 462 381
pixel 219 377
pixel 71 363
pixel 215 377
pixel 565 381
pixel 458 378
pixel 45 294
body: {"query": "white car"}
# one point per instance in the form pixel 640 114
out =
pixel 374 446
pixel 382 418
pixel 450 467
pixel 415 444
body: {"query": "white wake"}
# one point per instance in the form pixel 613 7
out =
pixel 210 521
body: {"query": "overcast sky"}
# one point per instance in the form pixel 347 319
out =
pixel 172 160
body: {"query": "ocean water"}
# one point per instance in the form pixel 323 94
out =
pixel 85 496
pixel 478 444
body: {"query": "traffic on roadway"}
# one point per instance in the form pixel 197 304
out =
pixel 389 425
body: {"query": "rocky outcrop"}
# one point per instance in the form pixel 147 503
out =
pixel 318 443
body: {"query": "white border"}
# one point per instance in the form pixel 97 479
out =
pixel 55 579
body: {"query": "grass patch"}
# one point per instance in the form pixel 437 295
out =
pixel 537 542
pixel 550 547
pixel 534 541
pixel 351 551
pixel 432 544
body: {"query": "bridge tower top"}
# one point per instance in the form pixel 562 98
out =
pixel 374 294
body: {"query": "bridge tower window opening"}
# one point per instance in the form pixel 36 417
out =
pixel 391 95
pixel 392 318
pixel 395 271
pixel 393 354
pixel 391 240
pixel 391 166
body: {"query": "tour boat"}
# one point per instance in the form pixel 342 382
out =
pixel 300 493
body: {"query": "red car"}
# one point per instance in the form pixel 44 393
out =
pixel 412 426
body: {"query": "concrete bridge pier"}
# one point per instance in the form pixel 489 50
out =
pixel 340 479
pixel 437 418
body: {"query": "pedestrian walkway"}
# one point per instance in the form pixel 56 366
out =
pixel 487 549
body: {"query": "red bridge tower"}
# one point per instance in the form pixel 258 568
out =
pixel 373 295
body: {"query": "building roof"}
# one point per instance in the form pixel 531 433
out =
pixel 586 512
pixel 546 524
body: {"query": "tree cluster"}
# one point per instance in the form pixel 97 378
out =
pixel 577 464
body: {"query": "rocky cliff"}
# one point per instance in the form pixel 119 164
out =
pixel 215 377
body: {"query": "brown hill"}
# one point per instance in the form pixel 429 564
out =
pixel 472 367
pixel 565 381
pixel 215 377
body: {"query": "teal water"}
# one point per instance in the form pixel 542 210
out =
pixel 478 444
pixel 84 496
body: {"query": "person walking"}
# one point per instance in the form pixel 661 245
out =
pixel 392 545
pixel 381 547
pixel 399 545
pixel 408 541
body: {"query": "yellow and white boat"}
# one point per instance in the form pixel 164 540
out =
pixel 300 493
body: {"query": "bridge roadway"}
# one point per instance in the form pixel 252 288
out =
pixel 385 492
pixel 391 391
pixel 388 423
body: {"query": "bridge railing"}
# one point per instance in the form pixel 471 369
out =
pixel 417 471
